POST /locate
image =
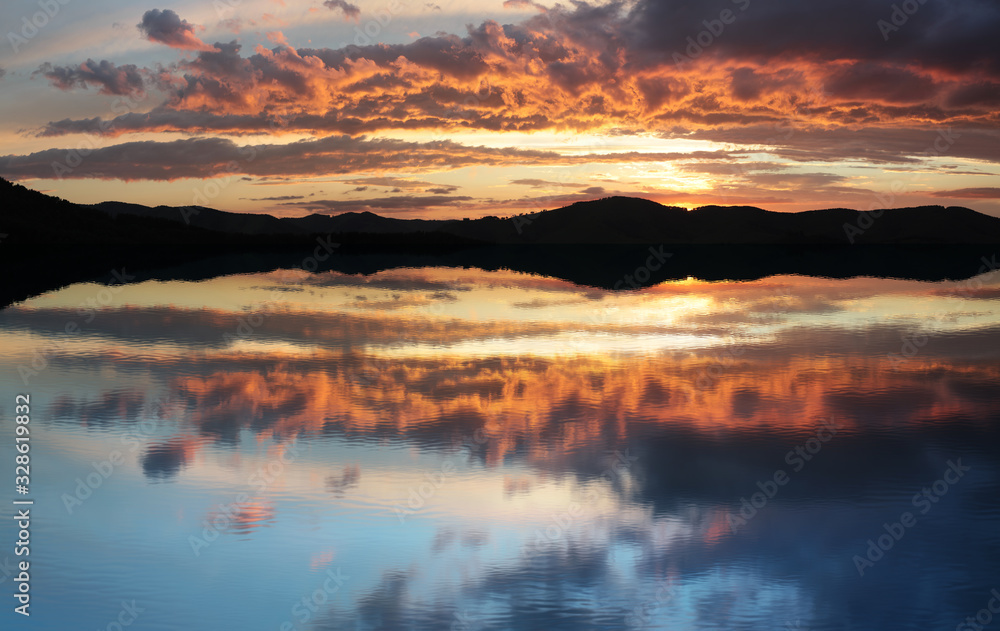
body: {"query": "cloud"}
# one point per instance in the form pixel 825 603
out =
pixel 166 27
pixel 387 181
pixel 351 11
pixel 210 157
pixel 385 205
pixel 522 4
pixel 604 68
pixel 730 168
pixel 804 83
pixel 276 198
pixel 795 180
pixel 952 36
pixel 400 302
pixel 873 82
pixel 537 183
pixel 109 78
pixel 983 94
pixel 970 193
pixel 877 145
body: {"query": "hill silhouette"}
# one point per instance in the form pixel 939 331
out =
pixel 623 220
pixel 46 242
pixel 30 216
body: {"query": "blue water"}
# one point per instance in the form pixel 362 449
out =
pixel 458 449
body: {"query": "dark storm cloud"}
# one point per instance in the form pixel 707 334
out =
pixel 953 35
pixel 873 82
pixel 976 94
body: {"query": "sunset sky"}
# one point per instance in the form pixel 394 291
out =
pixel 438 108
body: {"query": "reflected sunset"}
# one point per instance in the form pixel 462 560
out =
pixel 481 426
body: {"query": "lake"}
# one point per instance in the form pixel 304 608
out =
pixel 460 449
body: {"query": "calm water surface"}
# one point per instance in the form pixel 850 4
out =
pixel 458 449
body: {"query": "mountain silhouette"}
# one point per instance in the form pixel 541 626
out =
pixel 47 242
pixel 622 220
pixel 30 216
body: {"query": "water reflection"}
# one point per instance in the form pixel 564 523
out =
pixel 492 450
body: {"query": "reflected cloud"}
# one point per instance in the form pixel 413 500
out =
pixel 346 479
pixel 243 519
pixel 547 483
pixel 163 461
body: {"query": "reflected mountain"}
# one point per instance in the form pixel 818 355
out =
pixel 613 243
